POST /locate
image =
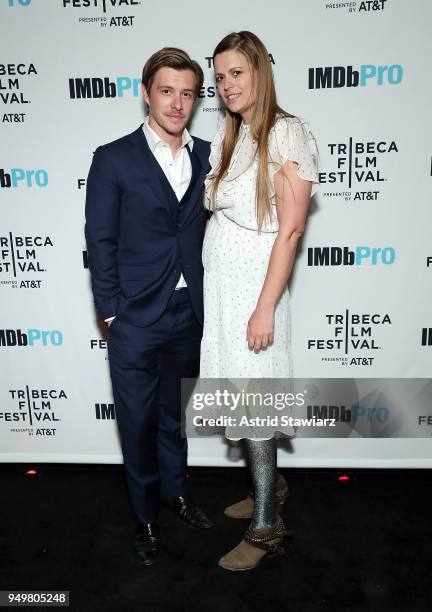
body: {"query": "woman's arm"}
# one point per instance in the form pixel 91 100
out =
pixel 292 203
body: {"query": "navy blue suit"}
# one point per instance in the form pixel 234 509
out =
pixel 140 238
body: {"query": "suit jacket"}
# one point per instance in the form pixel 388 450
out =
pixel 140 238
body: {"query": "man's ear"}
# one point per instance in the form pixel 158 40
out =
pixel 145 95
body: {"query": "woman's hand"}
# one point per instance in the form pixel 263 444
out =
pixel 260 329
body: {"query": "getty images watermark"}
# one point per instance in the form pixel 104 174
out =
pixel 243 401
pixel 320 408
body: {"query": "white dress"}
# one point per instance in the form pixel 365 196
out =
pixel 235 256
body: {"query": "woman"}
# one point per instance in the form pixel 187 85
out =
pixel 263 173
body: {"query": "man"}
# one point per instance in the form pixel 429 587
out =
pixel 144 230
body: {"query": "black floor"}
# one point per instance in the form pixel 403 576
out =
pixel 365 545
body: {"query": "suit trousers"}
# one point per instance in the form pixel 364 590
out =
pixel 146 366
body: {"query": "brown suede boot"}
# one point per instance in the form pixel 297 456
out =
pixel 257 543
pixel 244 508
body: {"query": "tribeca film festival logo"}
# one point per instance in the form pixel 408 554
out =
pixel 11 93
pixel 368 6
pixel 20 260
pixel 356 165
pixel 105 7
pixel 99 344
pixel 352 338
pixel 210 92
pixel 33 411
pixel 355 256
pixel 30 338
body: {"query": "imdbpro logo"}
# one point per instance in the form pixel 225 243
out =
pixel 426 339
pixel 105 411
pixel 104 87
pixel 18 2
pixel 18 177
pixel 346 256
pixel 341 76
pixel 30 337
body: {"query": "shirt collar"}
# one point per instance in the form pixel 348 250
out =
pixel 154 139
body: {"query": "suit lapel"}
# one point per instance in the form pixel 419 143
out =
pixel 156 178
pixel 199 170
pixel 196 167
pixel 154 174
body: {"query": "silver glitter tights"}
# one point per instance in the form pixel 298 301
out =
pixel 262 457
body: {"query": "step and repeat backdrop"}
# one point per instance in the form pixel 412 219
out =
pixel 358 73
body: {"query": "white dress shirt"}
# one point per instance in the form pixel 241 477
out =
pixel 178 169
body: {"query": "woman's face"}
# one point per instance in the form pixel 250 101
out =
pixel 235 82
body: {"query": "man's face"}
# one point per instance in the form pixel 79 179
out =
pixel 170 100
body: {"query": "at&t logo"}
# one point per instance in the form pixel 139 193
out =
pixel 366 6
pixel 372 5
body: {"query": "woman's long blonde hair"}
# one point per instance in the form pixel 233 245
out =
pixel 264 114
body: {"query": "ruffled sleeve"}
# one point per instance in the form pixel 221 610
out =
pixel 216 148
pixel 214 159
pixel 292 139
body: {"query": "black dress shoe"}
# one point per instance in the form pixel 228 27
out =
pixel 190 514
pixel 146 542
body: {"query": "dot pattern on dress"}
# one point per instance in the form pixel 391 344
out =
pixel 236 256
